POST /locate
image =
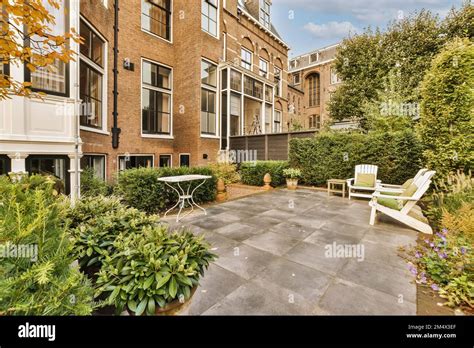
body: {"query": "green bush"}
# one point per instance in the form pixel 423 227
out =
pixel 334 155
pixel 225 171
pixel 32 214
pixel 91 185
pixel 447 124
pixel 252 173
pixel 96 222
pixel 152 268
pixel 140 188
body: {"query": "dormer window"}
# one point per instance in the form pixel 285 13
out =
pixel 313 58
pixel 265 13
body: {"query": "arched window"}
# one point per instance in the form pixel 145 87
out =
pixel 313 90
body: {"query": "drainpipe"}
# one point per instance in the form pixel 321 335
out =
pixel 115 129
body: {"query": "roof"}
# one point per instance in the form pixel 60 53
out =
pixel 316 57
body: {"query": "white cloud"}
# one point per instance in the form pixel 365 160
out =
pixel 331 30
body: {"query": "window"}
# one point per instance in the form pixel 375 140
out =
pixel 235 114
pixel 184 160
pixel 235 80
pixel 209 16
pixel 293 64
pixel 265 13
pixel 334 77
pixel 296 78
pixel 91 77
pixel 52 79
pixel 268 117
pixel 156 99
pixel 268 94
pixel 246 59
pixel 96 162
pixel 263 68
pixel 56 166
pixel 208 97
pixel 253 87
pixel 277 81
pixel 313 58
pixel 136 161
pixel 277 121
pixel 156 17
pixel 165 161
pixel 5 165
pixel 315 121
pixel 313 89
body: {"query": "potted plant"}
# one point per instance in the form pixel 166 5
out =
pixel 153 272
pixel 292 175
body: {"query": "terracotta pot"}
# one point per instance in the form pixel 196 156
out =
pixel 173 308
pixel 292 184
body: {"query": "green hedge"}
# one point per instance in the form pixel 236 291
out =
pixel 334 155
pixel 140 188
pixel 252 173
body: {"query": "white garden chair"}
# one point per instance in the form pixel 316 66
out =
pixel 358 183
pixel 402 206
pixel 381 187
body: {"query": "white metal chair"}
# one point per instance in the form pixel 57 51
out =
pixel 381 187
pixel 402 207
pixel 354 186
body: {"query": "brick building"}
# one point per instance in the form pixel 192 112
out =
pixel 191 73
pixel 312 79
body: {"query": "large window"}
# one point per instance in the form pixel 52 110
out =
pixel 263 68
pixel 235 113
pixel 209 16
pixel 156 99
pixel 55 166
pixel 156 17
pixel 313 90
pixel 91 77
pixel 52 79
pixel 265 13
pixel 253 87
pixel 246 59
pixel 277 121
pixel 235 80
pixel 208 97
pixel 96 163
pixel 5 164
pixel 315 121
pixel 135 161
pixel 184 160
pixel 165 161
pixel 277 81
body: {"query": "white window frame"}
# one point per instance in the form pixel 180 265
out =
pixel 135 155
pixel 260 71
pixel 266 14
pixel 216 91
pixel 165 154
pixel 280 85
pixel 274 121
pixel 242 61
pixel 99 155
pixel 299 78
pixel 216 36
pixel 185 153
pixel 334 76
pixel 104 71
pixel 157 89
pixel 153 34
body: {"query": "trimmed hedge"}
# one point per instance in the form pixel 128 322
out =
pixel 334 155
pixel 140 188
pixel 252 173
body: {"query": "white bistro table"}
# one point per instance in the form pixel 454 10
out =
pixel 184 196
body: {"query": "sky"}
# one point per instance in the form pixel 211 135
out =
pixel 306 25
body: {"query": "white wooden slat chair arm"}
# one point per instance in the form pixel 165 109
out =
pixel 401 198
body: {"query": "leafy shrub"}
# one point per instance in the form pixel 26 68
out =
pixel 225 171
pixel 292 173
pixel 91 185
pixel 140 188
pixel 152 268
pixel 252 173
pixel 334 155
pixel 95 224
pixel 446 127
pixel 32 214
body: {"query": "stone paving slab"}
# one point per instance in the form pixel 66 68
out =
pixel 273 257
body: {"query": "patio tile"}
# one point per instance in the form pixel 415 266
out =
pixel 329 237
pixel 314 255
pixel 227 217
pixel 313 223
pixel 239 231
pixel 344 228
pixel 385 253
pixel 219 242
pixel 274 243
pixel 244 260
pixel 391 237
pixel 209 223
pixel 382 277
pixel 252 299
pixel 346 298
pixel 263 222
pixel 292 229
pixel 277 214
pixel 214 286
pixel 305 281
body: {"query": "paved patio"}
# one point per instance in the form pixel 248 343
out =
pixel 273 258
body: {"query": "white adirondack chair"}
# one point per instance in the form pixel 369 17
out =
pixel 351 183
pixel 381 187
pixel 409 213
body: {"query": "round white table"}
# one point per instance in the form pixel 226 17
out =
pixel 184 195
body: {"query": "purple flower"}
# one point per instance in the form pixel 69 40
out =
pixel 427 241
pixel 444 230
pixel 434 287
pixel 413 270
pixel 423 280
pixel 443 255
pixel 463 250
pixel 431 245
pixel 418 254
pixel 436 249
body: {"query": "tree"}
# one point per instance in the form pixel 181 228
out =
pixel 460 23
pixel 446 128
pixel 28 38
